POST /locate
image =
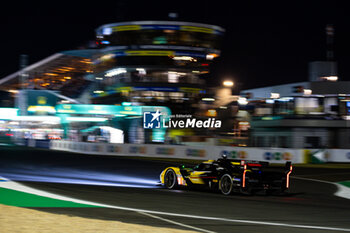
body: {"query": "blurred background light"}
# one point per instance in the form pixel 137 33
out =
pixel 274 95
pixel 87 119
pixel 307 91
pixel 242 101
pixel 228 83
pixel 208 99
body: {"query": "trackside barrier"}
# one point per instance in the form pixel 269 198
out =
pixel 338 155
pixel 327 155
pixel 45 143
pixel 273 155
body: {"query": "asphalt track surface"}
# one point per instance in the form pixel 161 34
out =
pixel 132 183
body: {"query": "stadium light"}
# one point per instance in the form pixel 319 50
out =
pixel 307 91
pixel 228 83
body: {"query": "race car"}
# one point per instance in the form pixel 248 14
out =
pixel 228 175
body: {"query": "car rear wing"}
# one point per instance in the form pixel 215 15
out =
pixel 253 163
pixel 259 165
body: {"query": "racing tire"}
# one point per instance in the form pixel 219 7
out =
pixel 170 179
pixel 226 184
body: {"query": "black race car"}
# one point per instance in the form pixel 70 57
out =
pixel 229 176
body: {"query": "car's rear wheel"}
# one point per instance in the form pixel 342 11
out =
pixel 170 180
pixel 226 184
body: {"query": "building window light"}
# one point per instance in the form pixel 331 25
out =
pixel 173 77
pixel 307 91
pixel 115 72
pixel 141 71
pixel 228 83
pixel 208 99
pixel 330 78
pixel 184 58
pixel 275 95
pixel 211 113
pixel 242 101
pixel 211 56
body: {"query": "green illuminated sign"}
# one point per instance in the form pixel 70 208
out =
pixel 97 109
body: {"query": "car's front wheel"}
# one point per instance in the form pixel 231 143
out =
pixel 170 180
pixel 226 184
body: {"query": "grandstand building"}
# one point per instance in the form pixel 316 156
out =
pixel 154 62
pixel 142 62
pixel 135 65
pixel 63 72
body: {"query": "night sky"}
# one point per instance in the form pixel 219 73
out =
pixel 266 42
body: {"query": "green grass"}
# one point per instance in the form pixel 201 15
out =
pixel 345 183
pixel 21 199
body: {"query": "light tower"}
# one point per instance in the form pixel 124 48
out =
pixel 330 42
pixel 325 70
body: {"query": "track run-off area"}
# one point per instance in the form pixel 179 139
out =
pixel 126 189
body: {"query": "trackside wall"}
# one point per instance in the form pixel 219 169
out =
pixel 274 155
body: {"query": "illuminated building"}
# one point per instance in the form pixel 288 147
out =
pixel 312 114
pixel 154 62
pixel 64 72
pixel 143 63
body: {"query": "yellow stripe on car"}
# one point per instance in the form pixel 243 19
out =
pixel 149 53
pixel 126 28
pixel 196 29
pixel 176 170
pixel 194 177
pixel 235 163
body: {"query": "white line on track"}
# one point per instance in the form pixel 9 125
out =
pixel 176 223
pixel 342 191
pixel 22 188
